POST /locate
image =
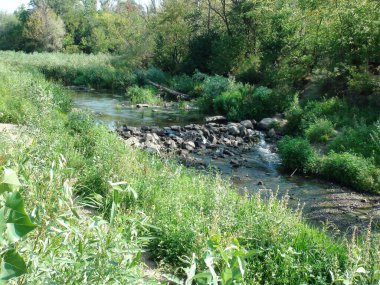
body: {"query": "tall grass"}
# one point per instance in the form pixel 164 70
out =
pixel 96 71
pixel 172 211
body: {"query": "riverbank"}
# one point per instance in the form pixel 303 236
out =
pixel 161 206
pixel 325 132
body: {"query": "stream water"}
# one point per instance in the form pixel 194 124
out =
pixel 322 202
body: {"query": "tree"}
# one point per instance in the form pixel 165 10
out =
pixel 44 30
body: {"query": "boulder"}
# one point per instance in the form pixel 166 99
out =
pixel 233 130
pixel 247 124
pixel 267 123
pixel 188 145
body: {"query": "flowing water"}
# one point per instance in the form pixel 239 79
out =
pixel 322 202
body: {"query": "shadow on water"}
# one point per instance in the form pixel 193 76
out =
pixel 321 201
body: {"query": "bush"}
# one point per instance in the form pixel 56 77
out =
pixel 294 116
pixel 264 102
pixel 138 95
pixel 156 75
pixel 297 153
pixel 351 170
pixel 362 83
pixel 183 83
pixel 320 131
pixel 361 139
pixel 212 87
pixel 229 103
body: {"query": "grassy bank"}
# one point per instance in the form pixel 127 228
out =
pixel 65 160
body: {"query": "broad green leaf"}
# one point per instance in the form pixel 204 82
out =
pixel 9 181
pixel 17 220
pixel 12 265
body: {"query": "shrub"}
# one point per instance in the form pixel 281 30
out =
pixel 361 139
pixel 320 131
pixel 138 95
pixel 156 75
pixel 294 116
pixel 264 102
pixel 297 153
pixel 351 170
pixel 183 83
pixel 362 83
pixel 212 87
pixel 229 103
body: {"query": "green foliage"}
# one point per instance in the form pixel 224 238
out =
pixel 44 30
pixel 156 75
pixel 264 102
pixel 96 71
pixel 211 87
pixel 320 131
pixel 15 223
pixel 80 121
pixel 360 139
pixel 69 164
pixel 230 104
pixel 147 95
pixel 231 262
pixel 351 170
pixel 183 83
pixel 297 153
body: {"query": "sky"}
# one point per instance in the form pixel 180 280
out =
pixel 11 5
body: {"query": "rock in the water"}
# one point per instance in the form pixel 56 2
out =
pixel 247 124
pixel 235 163
pixel 188 145
pixel 233 130
pixel 267 123
pixel 142 105
pixel 176 128
pixel 272 133
pixel 216 119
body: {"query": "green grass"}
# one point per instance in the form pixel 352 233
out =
pixel 96 71
pixel 66 160
pixel 139 95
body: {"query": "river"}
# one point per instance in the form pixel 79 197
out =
pixel 340 208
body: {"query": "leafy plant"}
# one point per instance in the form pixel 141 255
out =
pixel 143 95
pixel 225 266
pixel 297 153
pixel 353 170
pixel 15 223
pixel 320 131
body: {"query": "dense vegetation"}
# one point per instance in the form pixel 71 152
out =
pixel 66 161
pixel 95 204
